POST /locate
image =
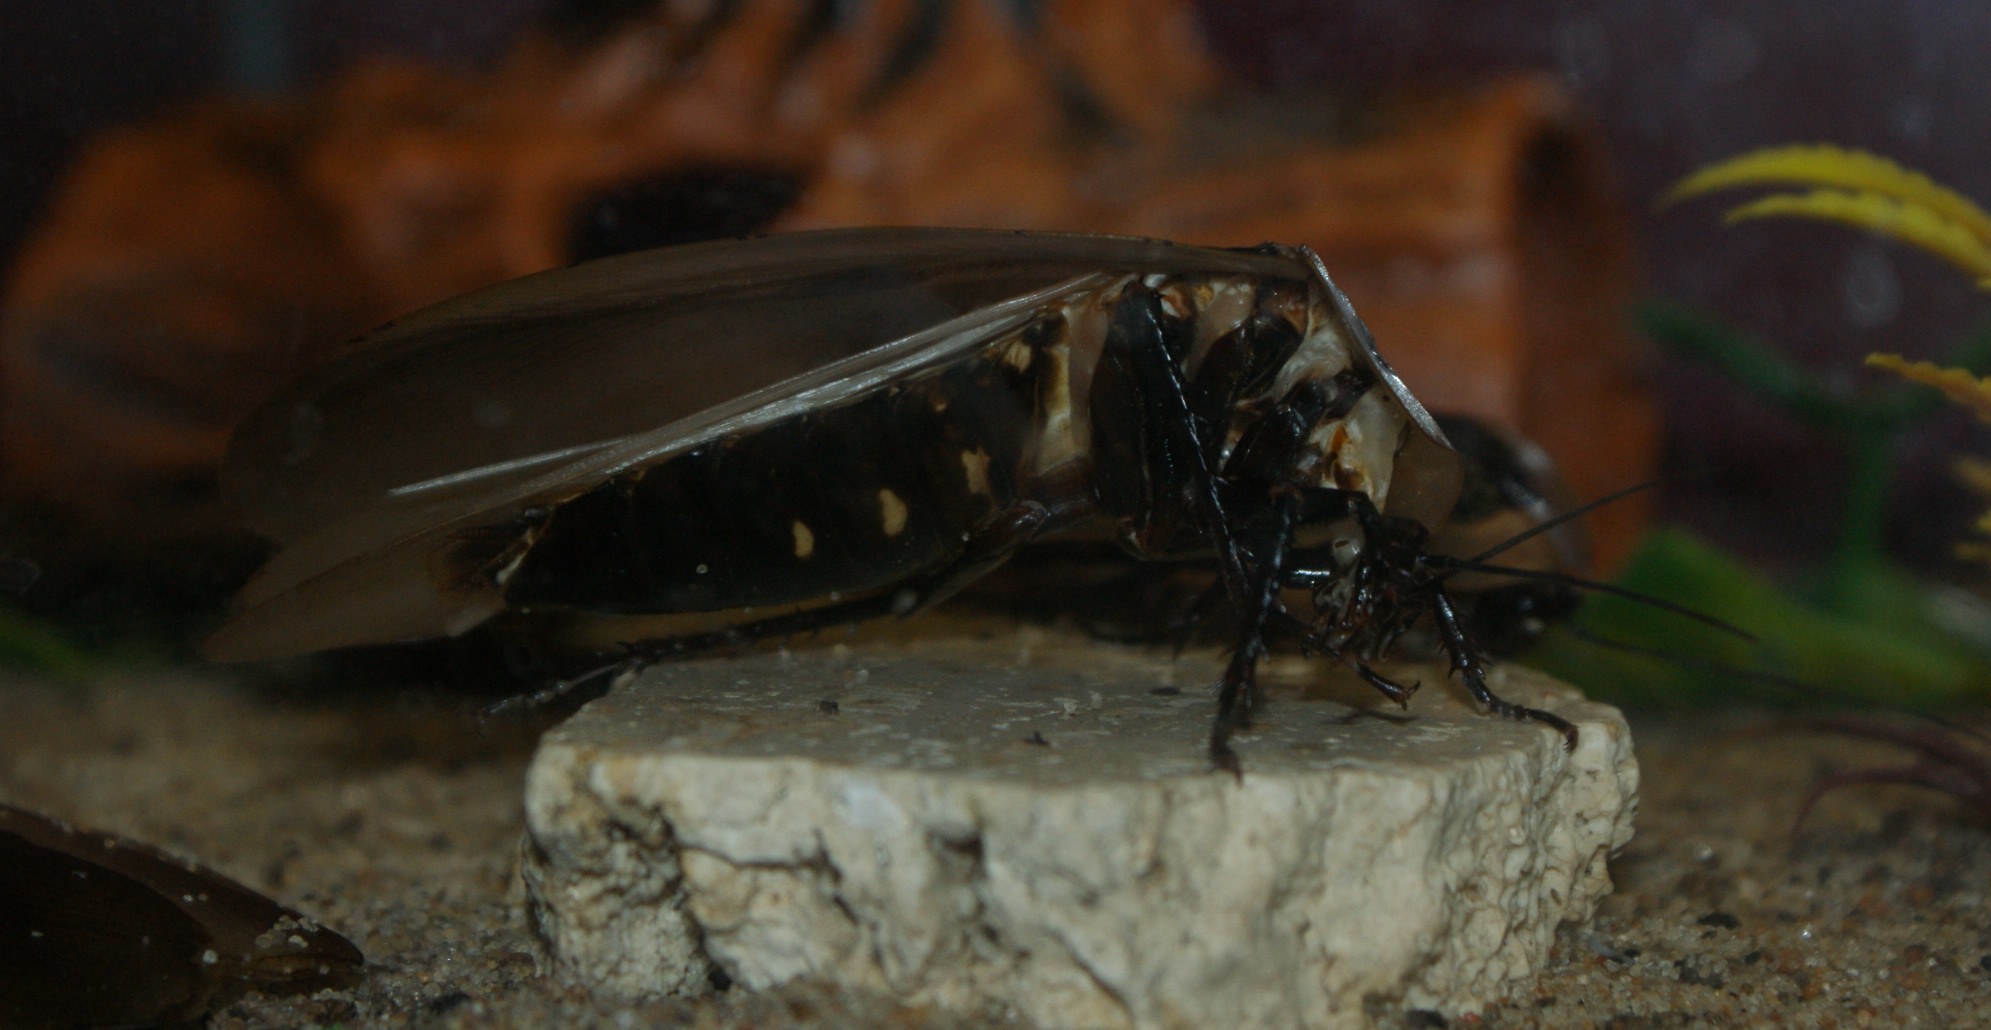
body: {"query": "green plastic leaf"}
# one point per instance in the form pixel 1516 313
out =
pixel 1891 652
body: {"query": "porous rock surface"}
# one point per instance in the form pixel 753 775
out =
pixel 1029 826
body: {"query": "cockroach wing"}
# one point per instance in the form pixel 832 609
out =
pixel 469 414
pixel 532 373
pixel 381 573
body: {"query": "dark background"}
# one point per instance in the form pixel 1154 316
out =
pixel 1673 85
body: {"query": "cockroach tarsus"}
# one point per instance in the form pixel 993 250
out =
pixel 850 424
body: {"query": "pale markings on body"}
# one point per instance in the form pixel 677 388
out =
pixel 975 464
pixel 1176 300
pixel 1056 443
pixel 1017 354
pixel 892 511
pixel 1354 452
pixel 805 540
pixel 1364 447
pixel 1222 305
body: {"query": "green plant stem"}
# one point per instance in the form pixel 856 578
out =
pixel 1756 368
pixel 1869 425
pixel 1857 552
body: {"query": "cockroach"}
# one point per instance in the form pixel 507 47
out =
pixel 750 438
pixel 99 930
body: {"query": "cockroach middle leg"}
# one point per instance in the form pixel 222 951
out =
pixel 1141 351
pixel 1236 696
pixel 1139 366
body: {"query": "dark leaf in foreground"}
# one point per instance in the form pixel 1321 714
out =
pixel 98 930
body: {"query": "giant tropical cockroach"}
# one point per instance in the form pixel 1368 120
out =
pixel 760 437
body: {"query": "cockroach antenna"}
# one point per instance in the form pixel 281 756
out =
pixel 1562 519
pixel 1579 583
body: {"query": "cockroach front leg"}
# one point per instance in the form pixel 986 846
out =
pixel 1389 688
pixel 1466 661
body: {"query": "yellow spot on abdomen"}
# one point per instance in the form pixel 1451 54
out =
pixel 805 540
pixel 976 464
pixel 893 512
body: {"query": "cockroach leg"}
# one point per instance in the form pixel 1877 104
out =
pixel 1235 699
pixel 560 690
pixel 634 656
pixel 1138 345
pixel 1239 692
pixel 1466 662
pixel 1388 687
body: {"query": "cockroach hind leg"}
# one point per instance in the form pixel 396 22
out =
pixel 987 547
pixel 587 686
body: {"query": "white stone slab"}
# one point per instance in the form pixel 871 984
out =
pixel 1029 824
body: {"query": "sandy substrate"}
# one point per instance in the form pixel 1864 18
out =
pixel 394 816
